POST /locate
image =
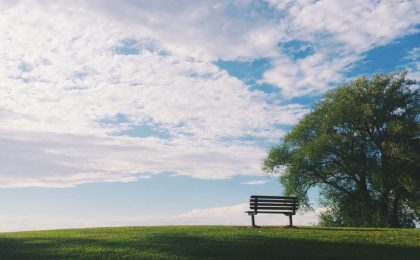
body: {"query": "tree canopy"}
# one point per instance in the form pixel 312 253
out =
pixel 361 146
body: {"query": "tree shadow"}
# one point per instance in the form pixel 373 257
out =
pixel 345 229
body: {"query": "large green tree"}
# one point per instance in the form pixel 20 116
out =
pixel 361 146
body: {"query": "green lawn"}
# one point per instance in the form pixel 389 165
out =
pixel 213 242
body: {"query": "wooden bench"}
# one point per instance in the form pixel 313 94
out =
pixel 272 205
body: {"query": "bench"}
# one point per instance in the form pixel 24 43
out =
pixel 272 205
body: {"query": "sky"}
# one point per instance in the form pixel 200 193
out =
pixel 116 113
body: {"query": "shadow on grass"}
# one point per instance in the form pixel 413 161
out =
pixel 188 246
pixel 345 229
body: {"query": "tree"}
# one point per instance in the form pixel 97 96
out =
pixel 361 146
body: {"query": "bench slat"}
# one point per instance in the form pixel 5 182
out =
pixel 273 200
pixel 272 197
pixel 276 212
pixel 272 204
pixel 273 208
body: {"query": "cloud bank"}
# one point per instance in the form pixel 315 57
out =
pixel 94 91
pixel 232 215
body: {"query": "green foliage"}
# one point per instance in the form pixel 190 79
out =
pixel 361 145
pixel 212 242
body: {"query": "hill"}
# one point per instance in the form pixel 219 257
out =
pixel 212 242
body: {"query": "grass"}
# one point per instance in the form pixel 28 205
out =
pixel 212 242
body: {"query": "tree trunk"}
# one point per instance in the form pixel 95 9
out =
pixel 394 212
pixel 384 208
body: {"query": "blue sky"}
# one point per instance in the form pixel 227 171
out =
pixel 159 113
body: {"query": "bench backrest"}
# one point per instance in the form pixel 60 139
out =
pixel 273 204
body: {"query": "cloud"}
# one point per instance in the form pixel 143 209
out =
pixel 69 79
pixel 234 215
pixel 311 75
pixel 228 215
pixel 198 29
pixel 72 81
pixel 340 32
pixel 76 74
pixel 11 223
pixel 413 63
pixel 256 182
pixel 31 159
pixel 357 25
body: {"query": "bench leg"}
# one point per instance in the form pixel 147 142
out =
pixel 290 221
pixel 253 220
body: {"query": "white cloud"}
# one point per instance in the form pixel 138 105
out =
pixel 228 215
pixel 63 77
pixel 235 215
pixel 310 75
pixel 198 29
pixel 11 223
pixel 358 25
pixel 255 182
pixel 413 63
pixel 342 32
pixel 72 79
pixel 64 74
pixel 31 159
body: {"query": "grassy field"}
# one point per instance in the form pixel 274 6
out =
pixel 212 242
